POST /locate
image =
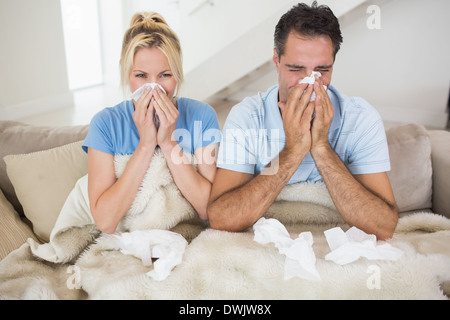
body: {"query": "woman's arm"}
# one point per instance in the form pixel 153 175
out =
pixel 110 198
pixel 195 185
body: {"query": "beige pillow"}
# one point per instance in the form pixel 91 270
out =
pixel 43 180
pixel 411 170
pixel 20 138
pixel 13 231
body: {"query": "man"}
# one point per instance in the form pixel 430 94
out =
pixel 336 139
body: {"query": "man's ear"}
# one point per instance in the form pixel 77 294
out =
pixel 275 59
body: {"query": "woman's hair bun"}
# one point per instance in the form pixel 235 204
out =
pixel 147 18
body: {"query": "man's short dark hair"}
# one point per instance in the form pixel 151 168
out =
pixel 309 21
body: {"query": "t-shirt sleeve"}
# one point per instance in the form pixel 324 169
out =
pixel 210 128
pixel 99 137
pixel 369 153
pixel 237 151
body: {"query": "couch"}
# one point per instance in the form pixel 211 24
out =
pixel 39 167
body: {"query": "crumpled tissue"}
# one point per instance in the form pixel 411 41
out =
pixel 138 93
pixel 347 247
pixel 310 80
pixel 168 247
pixel 300 258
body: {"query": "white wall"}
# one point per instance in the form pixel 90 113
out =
pixel 403 69
pixel 226 41
pixel 229 40
pixel 112 28
pixel 33 75
pixel 211 28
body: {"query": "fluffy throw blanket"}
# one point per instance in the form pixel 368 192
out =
pixel 81 263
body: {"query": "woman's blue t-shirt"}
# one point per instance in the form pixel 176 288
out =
pixel 113 130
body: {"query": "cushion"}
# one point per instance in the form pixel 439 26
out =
pixel 13 231
pixel 20 138
pixel 440 157
pixel 43 180
pixel 411 169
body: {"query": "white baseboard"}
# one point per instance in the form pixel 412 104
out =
pixel 37 106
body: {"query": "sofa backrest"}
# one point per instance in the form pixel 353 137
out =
pixel 409 149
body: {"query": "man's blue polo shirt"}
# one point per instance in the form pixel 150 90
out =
pixel 253 136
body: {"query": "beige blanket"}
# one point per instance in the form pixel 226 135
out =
pixel 223 265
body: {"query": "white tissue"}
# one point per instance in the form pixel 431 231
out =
pixel 350 246
pixel 310 80
pixel 166 246
pixel 138 93
pixel 300 258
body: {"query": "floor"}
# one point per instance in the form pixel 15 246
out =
pixel 87 102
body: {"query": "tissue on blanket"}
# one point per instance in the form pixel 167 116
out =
pixel 300 257
pixel 168 247
pixel 355 243
pixel 310 80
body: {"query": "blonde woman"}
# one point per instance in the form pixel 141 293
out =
pixel 151 53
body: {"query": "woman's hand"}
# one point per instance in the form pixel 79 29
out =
pixel 168 117
pixel 143 118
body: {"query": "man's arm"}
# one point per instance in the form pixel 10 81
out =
pixel 238 200
pixel 365 201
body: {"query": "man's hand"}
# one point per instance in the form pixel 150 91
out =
pixel 297 113
pixel 324 116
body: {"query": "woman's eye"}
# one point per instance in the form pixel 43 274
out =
pixel 140 75
pixel 166 75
